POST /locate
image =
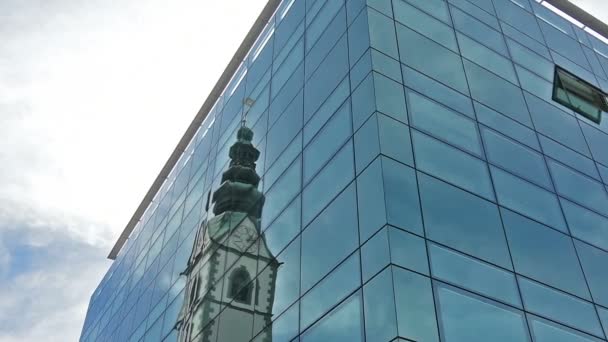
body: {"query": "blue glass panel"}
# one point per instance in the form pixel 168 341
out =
pixel 329 238
pixel 555 20
pixel 558 41
pixel 282 74
pixel 525 40
pixel 556 124
pixel 317 26
pixel 285 96
pixel 497 93
pixel 437 91
pixel 283 329
pixel 363 67
pixel 382 33
pixel 347 316
pixel 390 97
pixel 330 291
pixel 425 24
pixel 372 211
pixel 516 158
pixel 519 18
pixel 506 126
pixel 479 31
pixel 480 54
pixel 531 60
pixel 285 129
pixel 463 221
pixel 326 78
pixel 444 123
pixel 559 306
pixel 546 331
pixel 415 308
pixel 358 37
pixel 257 70
pixel 278 166
pixel 331 105
pixel 603 313
pixel 282 192
pixel 579 188
pixel 544 254
pixel 576 69
pixel 328 183
pixel 287 285
pixel 380 318
pixel 485 4
pixel 478 13
pixel 367 143
pixel 603 172
pixel 281 53
pixel 288 25
pixel 594 263
pixel 526 198
pixel 474 275
pixel 375 255
pixel 363 101
pixel 598 141
pixel 431 58
pixel 534 84
pixel 586 225
pixel 284 228
pixel 437 8
pixel 383 6
pixel 408 250
pixel 401 194
pixel 328 39
pixel 386 65
pixel 395 140
pixel 329 139
pixel 569 157
pixel 452 165
pixel 593 60
pixel 466 317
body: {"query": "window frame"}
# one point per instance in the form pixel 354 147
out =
pixel 568 83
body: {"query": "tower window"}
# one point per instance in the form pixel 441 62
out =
pixel 579 95
pixel 240 287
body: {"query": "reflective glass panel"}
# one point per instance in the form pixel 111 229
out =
pixel 462 221
pixel 544 254
pixel 466 317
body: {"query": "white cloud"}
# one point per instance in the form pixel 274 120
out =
pixel 95 96
pixel 48 297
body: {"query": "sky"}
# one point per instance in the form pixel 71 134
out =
pixel 94 96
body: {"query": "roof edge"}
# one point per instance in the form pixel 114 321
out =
pixel 581 15
pixel 223 81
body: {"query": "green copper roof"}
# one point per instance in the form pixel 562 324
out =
pixel 239 189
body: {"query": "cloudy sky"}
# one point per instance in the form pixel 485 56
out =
pixel 94 95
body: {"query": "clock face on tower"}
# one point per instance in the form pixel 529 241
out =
pixel 243 235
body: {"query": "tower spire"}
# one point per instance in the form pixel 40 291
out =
pixel 238 191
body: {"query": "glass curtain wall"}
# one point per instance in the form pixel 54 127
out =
pixel 419 184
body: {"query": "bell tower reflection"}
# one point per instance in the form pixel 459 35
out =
pixel 231 270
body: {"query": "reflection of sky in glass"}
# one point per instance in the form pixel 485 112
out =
pixel 469 318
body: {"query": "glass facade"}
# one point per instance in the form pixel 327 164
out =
pixel 418 183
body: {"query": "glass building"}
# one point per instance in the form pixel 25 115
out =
pixel 381 170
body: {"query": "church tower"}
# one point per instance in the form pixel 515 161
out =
pixel 231 269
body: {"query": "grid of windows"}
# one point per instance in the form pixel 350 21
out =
pixel 421 184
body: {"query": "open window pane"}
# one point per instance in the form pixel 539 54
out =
pixel 579 95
